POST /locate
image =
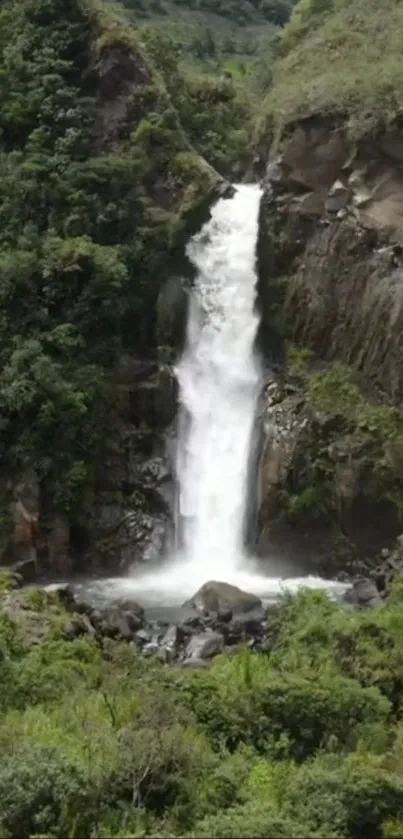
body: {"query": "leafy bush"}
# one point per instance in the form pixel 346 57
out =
pixel 251 820
pixel 42 791
pixel 246 700
pixel 305 740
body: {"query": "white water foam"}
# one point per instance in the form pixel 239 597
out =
pixel 219 380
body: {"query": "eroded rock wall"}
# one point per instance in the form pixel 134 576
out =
pixel 331 281
pixel 337 233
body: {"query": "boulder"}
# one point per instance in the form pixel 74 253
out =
pixel 172 638
pixel 205 645
pixel 80 625
pixel 58 543
pixel 123 618
pixel 216 597
pixel 363 593
pixel 151 649
pixel 143 636
pixel 248 625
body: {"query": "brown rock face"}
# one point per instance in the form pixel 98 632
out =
pixel 315 154
pixel 344 300
pixel 336 220
pixel 324 170
pixel 58 544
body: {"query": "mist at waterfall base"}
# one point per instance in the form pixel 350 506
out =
pixel 219 378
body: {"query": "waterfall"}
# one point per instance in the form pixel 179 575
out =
pixel 219 378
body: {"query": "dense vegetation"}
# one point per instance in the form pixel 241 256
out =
pixel 339 56
pixel 304 740
pixel 93 199
pixel 101 129
pixel 346 426
pixel 208 32
pixel 236 11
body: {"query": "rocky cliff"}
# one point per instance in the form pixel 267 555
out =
pixel 330 136
pixel 331 282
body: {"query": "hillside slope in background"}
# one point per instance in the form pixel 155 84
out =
pixel 338 56
pixel 208 30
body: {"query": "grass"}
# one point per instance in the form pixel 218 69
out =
pixel 347 60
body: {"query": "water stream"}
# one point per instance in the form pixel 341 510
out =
pixel 219 379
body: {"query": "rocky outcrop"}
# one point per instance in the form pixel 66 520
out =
pixel 364 594
pixel 334 230
pixel 325 497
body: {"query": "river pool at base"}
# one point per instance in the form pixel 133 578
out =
pixel 173 584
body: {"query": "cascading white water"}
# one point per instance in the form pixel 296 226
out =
pixel 219 380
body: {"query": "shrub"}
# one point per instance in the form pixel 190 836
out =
pixel 349 797
pixel 43 791
pixel 246 700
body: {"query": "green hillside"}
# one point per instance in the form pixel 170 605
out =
pixel 214 36
pixel 340 56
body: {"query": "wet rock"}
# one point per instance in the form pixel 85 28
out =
pixel 205 645
pixel 172 305
pixel 172 638
pixel 122 619
pixel 193 622
pixel 154 547
pixel 274 173
pixel 19 547
pixel 80 625
pixel 224 615
pixel 131 607
pixel 143 636
pixel 118 624
pixel 194 663
pixel 249 625
pixel 154 400
pixel 215 597
pixel 27 569
pixel 154 477
pixel 151 648
pixel 363 593
pixel 186 617
pixel 63 592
